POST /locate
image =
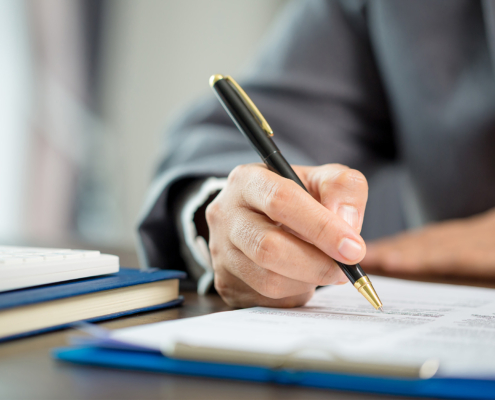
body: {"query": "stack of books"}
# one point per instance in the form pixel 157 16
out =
pixel 47 289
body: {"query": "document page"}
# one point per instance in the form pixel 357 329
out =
pixel 420 322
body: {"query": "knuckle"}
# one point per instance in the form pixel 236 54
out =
pixel 223 288
pixel 212 211
pixel 230 294
pixel 223 257
pixel 232 256
pixel 278 196
pixel 237 173
pixel 352 178
pixel 214 251
pixel 322 228
pixel 266 246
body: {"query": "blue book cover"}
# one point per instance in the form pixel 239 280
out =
pixel 124 278
pixel 451 388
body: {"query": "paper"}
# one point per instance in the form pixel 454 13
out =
pixel 422 321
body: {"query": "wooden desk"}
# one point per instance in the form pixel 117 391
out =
pixel 28 372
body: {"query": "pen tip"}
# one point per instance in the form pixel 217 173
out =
pixel 381 309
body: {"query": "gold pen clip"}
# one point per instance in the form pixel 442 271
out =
pixel 247 101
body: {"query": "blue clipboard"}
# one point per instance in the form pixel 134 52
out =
pixel 156 362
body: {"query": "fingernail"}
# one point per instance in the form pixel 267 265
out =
pixel 350 249
pixel 350 215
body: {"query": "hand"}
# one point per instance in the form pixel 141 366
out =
pixel 272 243
pixel 462 248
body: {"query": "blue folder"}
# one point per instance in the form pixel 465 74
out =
pixel 125 277
pixel 156 362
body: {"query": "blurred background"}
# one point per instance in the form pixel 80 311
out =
pixel 87 88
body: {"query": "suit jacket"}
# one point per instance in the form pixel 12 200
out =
pixel 403 91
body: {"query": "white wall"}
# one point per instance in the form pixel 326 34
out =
pixel 159 56
pixel 15 102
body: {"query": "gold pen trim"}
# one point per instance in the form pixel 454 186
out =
pixel 364 286
pixel 247 101
pixel 214 79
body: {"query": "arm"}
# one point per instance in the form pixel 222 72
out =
pixel 462 248
pixel 316 83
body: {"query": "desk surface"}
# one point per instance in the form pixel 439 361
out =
pixel 28 372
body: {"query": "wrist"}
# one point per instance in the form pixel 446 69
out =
pixel 193 229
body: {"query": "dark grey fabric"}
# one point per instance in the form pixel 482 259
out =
pixel 403 91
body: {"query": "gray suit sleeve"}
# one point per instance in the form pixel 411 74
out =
pixel 317 84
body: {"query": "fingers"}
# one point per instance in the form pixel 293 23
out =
pixel 238 294
pixel 385 256
pixel 429 251
pixel 267 283
pixel 272 243
pixel 271 247
pixel 340 189
pixel 284 201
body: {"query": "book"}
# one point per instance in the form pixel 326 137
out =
pixel 29 311
pixel 432 340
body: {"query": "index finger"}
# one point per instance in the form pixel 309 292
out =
pixel 284 201
pixel 338 188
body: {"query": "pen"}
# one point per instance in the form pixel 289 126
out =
pixel 253 125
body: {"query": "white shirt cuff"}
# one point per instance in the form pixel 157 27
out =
pixel 197 244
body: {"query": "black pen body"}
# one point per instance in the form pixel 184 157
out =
pixel 353 272
pixel 267 149
pixel 250 128
pixel 244 120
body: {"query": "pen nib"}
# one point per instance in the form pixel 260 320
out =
pixel 381 309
